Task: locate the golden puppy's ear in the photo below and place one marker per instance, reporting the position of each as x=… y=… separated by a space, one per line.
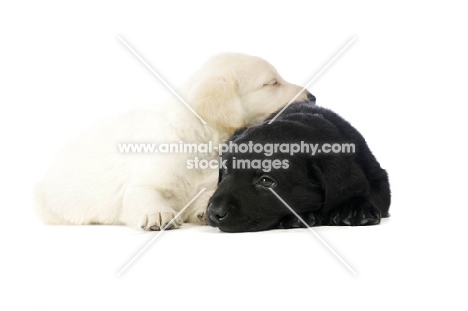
x=217 y=101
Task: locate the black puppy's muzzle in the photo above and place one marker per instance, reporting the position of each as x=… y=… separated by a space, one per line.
x=217 y=213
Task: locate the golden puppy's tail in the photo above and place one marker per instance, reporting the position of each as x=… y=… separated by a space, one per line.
x=40 y=207
x=38 y=200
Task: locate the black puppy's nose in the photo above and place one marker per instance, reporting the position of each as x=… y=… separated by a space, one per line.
x=218 y=212
x=311 y=97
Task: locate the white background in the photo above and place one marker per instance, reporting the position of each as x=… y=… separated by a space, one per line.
x=402 y=83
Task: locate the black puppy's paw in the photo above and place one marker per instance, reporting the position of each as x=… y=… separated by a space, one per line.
x=292 y=221
x=358 y=212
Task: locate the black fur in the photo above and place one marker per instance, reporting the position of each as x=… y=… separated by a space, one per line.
x=324 y=189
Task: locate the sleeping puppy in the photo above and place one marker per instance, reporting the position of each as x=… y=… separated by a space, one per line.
x=90 y=182
x=338 y=185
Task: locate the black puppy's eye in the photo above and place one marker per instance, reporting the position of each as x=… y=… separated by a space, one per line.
x=266 y=182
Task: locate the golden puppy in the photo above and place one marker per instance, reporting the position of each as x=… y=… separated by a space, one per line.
x=91 y=182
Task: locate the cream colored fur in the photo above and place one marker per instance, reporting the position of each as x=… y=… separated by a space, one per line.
x=90 y=182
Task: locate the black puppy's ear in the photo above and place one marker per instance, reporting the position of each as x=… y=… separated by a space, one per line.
x=220 y=173
x=341 y=180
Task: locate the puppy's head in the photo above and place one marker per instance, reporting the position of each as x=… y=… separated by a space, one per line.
x=236 y=90
x=244 y=201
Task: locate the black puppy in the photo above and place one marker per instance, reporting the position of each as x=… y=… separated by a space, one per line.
x=346 y=188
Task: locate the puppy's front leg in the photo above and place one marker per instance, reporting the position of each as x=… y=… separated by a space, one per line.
x=148 y=208
x=199 y=208
x=291 y=221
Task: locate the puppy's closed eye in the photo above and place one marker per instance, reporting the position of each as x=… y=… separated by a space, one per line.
x=272 y=83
